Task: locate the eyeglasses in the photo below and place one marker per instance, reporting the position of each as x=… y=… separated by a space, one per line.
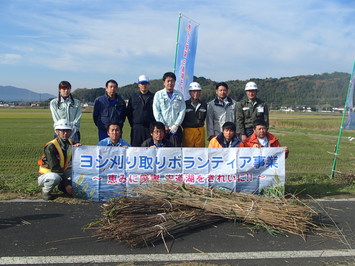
x=158 y=132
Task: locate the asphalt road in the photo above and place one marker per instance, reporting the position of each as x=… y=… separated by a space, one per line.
x=38 y=232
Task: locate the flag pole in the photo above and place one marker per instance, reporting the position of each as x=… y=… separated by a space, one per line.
x=341 y=126
x=177 y=42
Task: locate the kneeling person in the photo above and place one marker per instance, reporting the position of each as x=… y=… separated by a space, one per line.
x=262 y=138
x=227 y=138
x=157 y=139
x=114 y=137
x=55 y=164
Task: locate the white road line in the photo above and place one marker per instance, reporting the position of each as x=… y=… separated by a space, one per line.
x=179 y=257
x=349 y=199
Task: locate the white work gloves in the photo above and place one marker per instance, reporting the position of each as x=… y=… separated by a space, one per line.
x=173 y=129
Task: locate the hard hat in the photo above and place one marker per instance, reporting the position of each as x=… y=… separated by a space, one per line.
x=143 y=79
x=250 y=86
x=194 y=86
x=62 y=124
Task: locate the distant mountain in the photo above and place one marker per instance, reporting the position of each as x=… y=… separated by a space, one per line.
x=13 y=94
x=318 y=90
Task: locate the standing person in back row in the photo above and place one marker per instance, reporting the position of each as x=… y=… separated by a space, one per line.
x=194 y=121
x=140 y=112
x=220 y=110
x=250 y=109
x=169 y=108
x=109 y=108
x=66 y=107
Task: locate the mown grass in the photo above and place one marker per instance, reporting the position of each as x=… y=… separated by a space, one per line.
x=311 y=138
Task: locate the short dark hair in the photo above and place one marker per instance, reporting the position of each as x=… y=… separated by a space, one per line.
x=169 y=75
x=259 y=122
x=109 y=81
x=115 y=124
x=158 y=125
x=229 y=125
x=222 y=84
x=64 y=84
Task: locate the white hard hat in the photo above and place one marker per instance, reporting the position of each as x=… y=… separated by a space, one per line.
x=250 y=86
x=143 y=79
x=194 y=86
x=62 y=124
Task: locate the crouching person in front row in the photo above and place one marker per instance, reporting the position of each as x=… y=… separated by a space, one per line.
x=114 y=139
x=157 y=139
x=227 y=138
x=262 y=138
x=55 y=164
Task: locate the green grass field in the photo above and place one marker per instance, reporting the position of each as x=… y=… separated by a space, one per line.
x=311 y=138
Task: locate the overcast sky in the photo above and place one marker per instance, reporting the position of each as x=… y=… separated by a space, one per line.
x=88 y=42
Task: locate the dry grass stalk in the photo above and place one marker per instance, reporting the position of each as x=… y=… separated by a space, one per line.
x=171 y=208
x=139 y=221
x=280 y=214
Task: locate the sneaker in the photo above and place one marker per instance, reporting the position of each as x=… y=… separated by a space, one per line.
x=47 y=196
x=61 y=188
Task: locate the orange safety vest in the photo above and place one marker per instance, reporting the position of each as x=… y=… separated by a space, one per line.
x=62 y=161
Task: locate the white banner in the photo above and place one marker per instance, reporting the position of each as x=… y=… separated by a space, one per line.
x=100 y=173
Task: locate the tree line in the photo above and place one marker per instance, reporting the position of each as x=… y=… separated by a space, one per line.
x=319 y=90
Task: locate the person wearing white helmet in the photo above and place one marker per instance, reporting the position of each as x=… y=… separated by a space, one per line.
x=250 y=109
x=140 y=112
x=195 y=115
x=55 y=164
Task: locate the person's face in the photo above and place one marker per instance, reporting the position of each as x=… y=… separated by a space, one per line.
x=157 y=134
x=221 y=92
x=64 y=134
x=64 y=92
x=195 y=95
x=143 y=87
x=111 y=89
x=114 y=132
x=228 y=134
x=260 y=131
x=251 y=94
x=169 y=84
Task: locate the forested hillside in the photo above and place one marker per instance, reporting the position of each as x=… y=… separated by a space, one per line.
x=312 y=90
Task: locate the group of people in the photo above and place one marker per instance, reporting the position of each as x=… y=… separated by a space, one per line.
x=161 y=119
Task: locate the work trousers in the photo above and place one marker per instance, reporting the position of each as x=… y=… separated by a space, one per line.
x=50 y=180
x=175 y=139
x=139 y=133
x=193 y=137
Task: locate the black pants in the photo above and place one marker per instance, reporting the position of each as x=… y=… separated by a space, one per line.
x=175 y=139
x=139 y=133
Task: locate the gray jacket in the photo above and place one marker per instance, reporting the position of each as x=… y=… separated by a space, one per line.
x=218 y=114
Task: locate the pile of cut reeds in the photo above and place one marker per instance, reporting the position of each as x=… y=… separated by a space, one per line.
x=165 y=209
x=141 y=221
